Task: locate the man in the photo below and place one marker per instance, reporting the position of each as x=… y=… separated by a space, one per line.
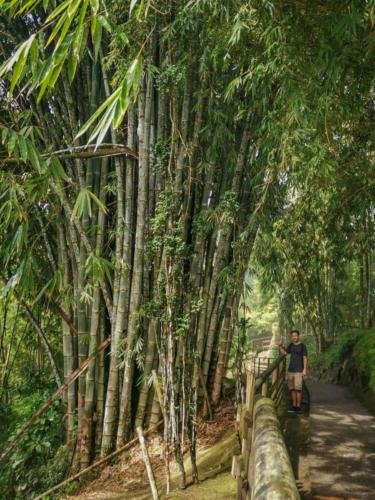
x=297 y=370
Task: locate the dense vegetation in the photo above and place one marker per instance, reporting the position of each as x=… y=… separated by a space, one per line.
x=358 y=348
x=152 y=152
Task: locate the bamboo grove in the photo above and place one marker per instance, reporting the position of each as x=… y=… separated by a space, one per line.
x=139 y=247
x=137 y=166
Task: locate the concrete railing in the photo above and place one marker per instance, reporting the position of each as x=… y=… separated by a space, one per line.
x=263 y=469
x=270 y=471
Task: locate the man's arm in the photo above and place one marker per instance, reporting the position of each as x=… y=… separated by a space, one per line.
x=281 y=348
x=304 y=373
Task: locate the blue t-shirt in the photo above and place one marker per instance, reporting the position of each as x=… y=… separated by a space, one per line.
x=297 y=352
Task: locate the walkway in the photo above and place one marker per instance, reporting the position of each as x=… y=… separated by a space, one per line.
x=342 y=445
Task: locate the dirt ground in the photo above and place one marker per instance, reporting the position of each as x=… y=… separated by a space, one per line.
x=127 y=478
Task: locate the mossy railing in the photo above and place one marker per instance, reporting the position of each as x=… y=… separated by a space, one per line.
x=263 y=470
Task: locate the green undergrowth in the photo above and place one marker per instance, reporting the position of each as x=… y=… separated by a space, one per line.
x=357 y=344
x=40 y=460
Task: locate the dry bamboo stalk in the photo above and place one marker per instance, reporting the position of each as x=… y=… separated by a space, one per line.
x=147 y=462
x=66 y=155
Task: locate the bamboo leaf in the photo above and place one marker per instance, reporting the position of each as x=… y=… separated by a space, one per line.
x=20 y=54
x=102 y=128
x=58 y=10
x=4 y=134
x=56 y=169
x=72 y=9
x=23 y=147
x=72 y=66
x=97 y=202
x=57 y=28
x=6 y=210
x=39 y=76
x=12 y=140
x=55 y=74
x=18 y=68
x=111 y=27
x=83 y=42
x=98 y=112
x=53 y=284
x=82 y=205
x=120 y=111
x=115 y=107
x=13 y=281
x=33 y=156
x=44 y=86
x=94 y=6
x=96 y=33
x=69 y=17
x=104 y=124
x=133 y=3
x=30 y=5
x=34 y=53
x=56 y=64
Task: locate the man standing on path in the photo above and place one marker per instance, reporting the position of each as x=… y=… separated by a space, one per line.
x=297 y=370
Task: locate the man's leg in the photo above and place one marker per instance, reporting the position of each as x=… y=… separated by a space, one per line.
x=298 y=398
x=294 y=398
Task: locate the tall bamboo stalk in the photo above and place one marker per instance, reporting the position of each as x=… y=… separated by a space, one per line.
x=144 y=118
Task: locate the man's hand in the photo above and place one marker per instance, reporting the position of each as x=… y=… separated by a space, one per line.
x=304 y=374
x=280 y=346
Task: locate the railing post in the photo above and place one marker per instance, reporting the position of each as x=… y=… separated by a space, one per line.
x=264 y=388
x=275 y=375
x=250 y=391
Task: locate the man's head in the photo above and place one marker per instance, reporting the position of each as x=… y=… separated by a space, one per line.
x=295 y=336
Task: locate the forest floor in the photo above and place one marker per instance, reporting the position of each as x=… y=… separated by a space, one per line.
x=127 y=479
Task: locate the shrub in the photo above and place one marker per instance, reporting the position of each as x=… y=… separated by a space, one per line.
x=41 y=459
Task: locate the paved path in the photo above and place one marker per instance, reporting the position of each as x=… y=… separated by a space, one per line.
x=342 y=445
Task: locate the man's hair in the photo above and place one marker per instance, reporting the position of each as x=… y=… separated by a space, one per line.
x=294 y=331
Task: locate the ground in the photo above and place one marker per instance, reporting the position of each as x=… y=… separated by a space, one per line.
x=217 y=443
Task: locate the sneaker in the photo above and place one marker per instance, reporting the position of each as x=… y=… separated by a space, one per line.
x=292 y=409
x=299 y=411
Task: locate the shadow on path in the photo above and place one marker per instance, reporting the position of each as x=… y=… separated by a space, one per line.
x=341 y=451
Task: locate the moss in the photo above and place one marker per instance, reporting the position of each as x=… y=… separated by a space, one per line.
x=220 y=487
x=357 y=344
x=214 y=473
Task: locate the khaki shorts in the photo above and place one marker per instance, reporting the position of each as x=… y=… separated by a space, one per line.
x=295 y=381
